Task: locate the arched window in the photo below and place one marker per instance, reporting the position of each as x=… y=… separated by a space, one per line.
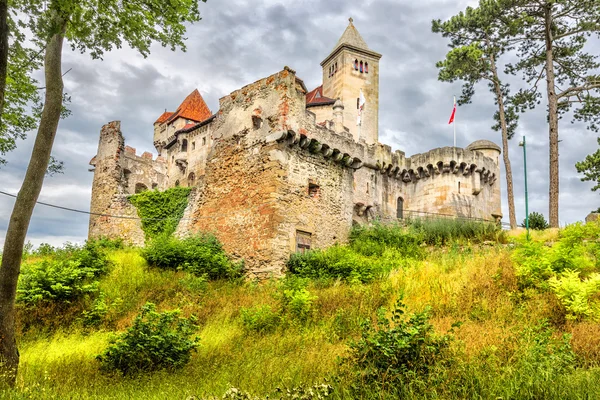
x=361 y=66
x=184 y=145
x=366 y=68
x=336 y=66
x=400 y=208
x=191 y=179
x=356 y=65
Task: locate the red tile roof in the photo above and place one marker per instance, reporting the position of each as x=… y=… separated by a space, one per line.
x=316 y=98
x=165 y=116
x=193 y=108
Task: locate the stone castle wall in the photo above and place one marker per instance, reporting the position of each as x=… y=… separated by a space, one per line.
x=118 y=173
x=270 y=174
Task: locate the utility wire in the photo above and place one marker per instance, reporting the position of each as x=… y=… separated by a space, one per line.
x=213 y=216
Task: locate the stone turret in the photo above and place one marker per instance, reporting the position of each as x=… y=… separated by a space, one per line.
x=350 y=68
x=338 y=115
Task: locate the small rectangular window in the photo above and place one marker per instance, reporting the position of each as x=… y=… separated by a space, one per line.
x=313 y=189
x=193 y=145
x=203 y=141
x=303 y=241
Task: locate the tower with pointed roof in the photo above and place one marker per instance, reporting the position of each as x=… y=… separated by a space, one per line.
x=348 y=69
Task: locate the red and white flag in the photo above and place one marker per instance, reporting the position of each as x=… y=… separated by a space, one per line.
x=361 y=106
x=453 y=113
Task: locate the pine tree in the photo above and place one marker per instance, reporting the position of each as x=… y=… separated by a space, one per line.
x=552 y=37
x=477 y=41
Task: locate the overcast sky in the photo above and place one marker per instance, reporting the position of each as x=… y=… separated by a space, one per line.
x=238 y=42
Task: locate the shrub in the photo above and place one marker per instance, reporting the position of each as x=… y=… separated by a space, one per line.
x=338 y=262
x=536 y=221
x=201 y=255
x=154 y=341
x=398 y=349
x=576 y=250
x=261 y=319
x=99 y=310
x=72 y=273
x=579 y=297
x=295 y=299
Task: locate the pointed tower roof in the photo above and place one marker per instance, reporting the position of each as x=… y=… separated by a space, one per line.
x=351 y=39
x=193 y=108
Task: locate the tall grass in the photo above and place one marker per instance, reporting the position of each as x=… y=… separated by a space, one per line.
x=502 y=348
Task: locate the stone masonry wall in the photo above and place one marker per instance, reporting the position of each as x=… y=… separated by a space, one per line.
x=117 y=174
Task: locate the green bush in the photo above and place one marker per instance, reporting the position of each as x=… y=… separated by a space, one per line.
x=580 y=297
x=261 y=319
x=155 y=341
x=397 y=350
x=577 y=249
x=536 y=221
x=160 y=211
x=201 y=255
x=338 y=262
x=295 y=299
x=71 y=273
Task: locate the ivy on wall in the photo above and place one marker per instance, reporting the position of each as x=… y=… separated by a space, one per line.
x=160 y=211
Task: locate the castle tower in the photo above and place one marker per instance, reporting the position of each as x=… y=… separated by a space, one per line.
x=350 y=68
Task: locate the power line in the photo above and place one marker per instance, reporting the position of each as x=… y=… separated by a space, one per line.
x=212 y=216
x=89 y=212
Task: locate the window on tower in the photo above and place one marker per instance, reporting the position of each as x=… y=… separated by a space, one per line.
x=336 y=67
x=356 y=65
x=361 y=66
x=366 y=68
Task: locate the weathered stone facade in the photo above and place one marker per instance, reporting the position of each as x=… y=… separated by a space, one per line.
x=278 y=169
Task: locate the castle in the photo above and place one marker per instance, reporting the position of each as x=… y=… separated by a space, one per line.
x=279 y=169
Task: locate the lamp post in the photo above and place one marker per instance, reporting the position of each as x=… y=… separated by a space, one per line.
x=523 y=144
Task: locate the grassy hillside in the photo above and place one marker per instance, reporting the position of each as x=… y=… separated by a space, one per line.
x=526 y=328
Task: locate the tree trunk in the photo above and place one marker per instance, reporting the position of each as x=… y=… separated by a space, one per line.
x=552 y=120
x=503 y=126
x=3 y=51
x=25 y=203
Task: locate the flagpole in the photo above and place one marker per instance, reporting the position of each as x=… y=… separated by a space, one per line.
x=454 y=123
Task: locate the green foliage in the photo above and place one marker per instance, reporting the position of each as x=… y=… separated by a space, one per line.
x=261 y=319
x=99 y=310
x=577 y=250
x=578 y=296
x=569 y=268
x=338 y=262
x=574 y=69
x=536 y=221
x=154 y=341
x=397 y=349
x=202 y=255
x=160 y=211
x=442 y=231
x=374 y=239
x=295 y=299
x=590 y=167
x=71 y=273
